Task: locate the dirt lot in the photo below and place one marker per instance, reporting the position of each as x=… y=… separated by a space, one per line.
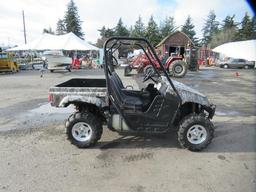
x=35 y=155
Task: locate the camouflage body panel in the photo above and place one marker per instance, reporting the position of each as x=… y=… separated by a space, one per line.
x=63 y=96
x=186 y=93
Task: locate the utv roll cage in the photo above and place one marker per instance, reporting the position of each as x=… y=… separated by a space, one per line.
x=114 y=43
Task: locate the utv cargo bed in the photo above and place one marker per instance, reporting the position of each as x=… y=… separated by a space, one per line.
x=62 y=94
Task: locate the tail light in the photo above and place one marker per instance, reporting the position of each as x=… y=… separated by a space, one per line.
x=50 y=98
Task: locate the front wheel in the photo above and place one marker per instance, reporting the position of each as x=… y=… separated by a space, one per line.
x=14 y=70
x=178 y=68
x=83 y=129
x=195 y=132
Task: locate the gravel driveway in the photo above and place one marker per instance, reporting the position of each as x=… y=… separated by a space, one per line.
x=35 y=155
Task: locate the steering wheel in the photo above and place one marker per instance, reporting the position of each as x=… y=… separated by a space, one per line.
x=148 y=76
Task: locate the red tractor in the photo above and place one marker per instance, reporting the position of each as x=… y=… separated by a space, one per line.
x=175 y=65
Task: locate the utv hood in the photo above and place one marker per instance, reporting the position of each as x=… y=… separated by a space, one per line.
x=186 y=93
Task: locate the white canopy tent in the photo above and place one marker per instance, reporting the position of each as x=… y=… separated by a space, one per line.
x=240 y=49
x=56 y=42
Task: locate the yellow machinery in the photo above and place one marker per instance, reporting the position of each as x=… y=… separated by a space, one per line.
x=7 y=64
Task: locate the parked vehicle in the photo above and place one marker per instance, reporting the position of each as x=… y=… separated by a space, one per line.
x=7 y=63
x=134 y=53
x=163 y=105
x=57 y=61
x=39 y=65
x=23 y=66
x=175 y=65
x=237 y=63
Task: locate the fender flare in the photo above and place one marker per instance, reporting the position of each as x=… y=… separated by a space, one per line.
x=69 y=99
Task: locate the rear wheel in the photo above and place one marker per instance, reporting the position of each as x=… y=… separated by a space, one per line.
x=178 y=68
x=246 y=67
x=225 y=66
x=83 y=129
x=148 y=69
x=195 y=132
x=127 y=70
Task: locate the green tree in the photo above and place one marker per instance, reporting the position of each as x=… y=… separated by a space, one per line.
x=72 y=20
x=49 y=30
x=188 y=28
x=229 y=22
x=227 y=33
x=152 y=32
x=102 y=31
x=106 y=32
x=120 y=29
x=61 y=28
x=246 y=31
x=254 y=27
x=167 y=27
x=131 y=30
x=139 y=29
x=210 y=27
x=223 y=36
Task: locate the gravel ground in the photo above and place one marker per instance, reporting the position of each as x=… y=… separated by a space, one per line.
x=35 y=155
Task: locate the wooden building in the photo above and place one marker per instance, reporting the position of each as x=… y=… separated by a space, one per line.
x=175 y=43
x=179 y=44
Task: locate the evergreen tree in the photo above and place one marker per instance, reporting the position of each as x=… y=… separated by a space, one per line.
x=167 y=27
x=120 y=29
x=228 y=32
x=72 y=20
x=254 y=27
x=102 y=31
x=152 y=32
x=61 y=29
x=106 y=32
x=131 y=31
x=188 y=29
x=229 y=23
x=210 y=27
x=230 y=27
x=49 y=30
x=109 y=32
x=246 y=31
x=139 y=29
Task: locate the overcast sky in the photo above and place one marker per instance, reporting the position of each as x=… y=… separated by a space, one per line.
x=40 y=14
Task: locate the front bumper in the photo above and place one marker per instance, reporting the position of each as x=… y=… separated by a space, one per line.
x=210 y=109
